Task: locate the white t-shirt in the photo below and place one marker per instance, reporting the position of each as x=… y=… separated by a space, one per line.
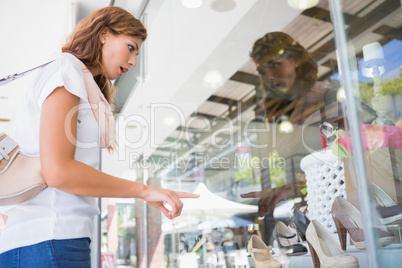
x=53 y=214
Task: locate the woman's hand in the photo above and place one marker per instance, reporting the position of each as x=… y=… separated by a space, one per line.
x=157 y=197
x=269 y=198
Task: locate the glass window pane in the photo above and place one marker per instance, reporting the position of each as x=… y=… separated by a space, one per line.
x=249 y=104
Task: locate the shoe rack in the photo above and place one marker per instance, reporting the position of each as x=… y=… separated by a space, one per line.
x=346 y=243
x=390 y=257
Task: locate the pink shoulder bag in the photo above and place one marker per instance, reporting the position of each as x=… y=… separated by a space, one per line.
x=20 y=175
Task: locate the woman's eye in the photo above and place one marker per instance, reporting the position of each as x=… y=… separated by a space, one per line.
x=261 y=71
x=131 y=48
x=273 y=66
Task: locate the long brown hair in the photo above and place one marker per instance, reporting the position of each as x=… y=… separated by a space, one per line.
x=84 y=41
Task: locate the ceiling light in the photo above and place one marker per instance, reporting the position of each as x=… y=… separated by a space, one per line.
x=340 y=94
x=223 y=5
x=169 y=120
x=213 y=79
x=285 y=126
x=373 y=65
x=192 y=3
x=302 y=4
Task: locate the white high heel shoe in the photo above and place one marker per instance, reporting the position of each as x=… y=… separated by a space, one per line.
x=382 y=198
x=261 y=254
x=325 y=250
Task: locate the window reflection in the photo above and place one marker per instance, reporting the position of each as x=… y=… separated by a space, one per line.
x=254 y=175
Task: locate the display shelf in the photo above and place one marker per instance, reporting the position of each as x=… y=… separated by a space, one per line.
x=388 y=256
x=325 y=179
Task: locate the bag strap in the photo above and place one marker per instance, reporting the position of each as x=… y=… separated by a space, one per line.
x=7 y=145
x=8 y=152
x=12 y=77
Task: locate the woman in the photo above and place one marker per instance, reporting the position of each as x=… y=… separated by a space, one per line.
x=65 y=118
x=288 y=78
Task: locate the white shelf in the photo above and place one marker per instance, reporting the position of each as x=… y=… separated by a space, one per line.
x=389 y=256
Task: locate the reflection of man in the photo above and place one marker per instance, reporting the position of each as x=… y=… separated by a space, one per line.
x=288 y=77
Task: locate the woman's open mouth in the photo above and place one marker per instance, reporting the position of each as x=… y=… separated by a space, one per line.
x=123 y=70
x=278 y=86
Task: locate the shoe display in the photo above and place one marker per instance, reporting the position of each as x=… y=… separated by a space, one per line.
x=348 y=220
x=301 y=223
x=382 y=198
x=325 y=250
x=287 y=242
x=390 y=215
x=261 y=254
x=388 y=211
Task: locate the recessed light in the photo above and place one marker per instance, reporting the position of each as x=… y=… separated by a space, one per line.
x=192 y=3
x=302 y=4
x=213 y=79
x=340 y=94
x=285 y=126
x=169 y=120
x=223 y=5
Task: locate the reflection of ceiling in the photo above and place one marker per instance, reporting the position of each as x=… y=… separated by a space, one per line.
x=366 y=22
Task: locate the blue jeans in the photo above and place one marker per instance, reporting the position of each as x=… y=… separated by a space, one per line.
x=50 y=254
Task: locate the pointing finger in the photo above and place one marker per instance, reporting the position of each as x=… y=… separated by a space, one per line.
x=186 y=195
x=250 y=195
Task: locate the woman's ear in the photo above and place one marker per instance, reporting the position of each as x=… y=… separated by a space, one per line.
x=103 y=35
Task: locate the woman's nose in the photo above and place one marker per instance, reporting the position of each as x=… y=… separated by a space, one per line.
x=269 y=75
x=132 y=61
x=269 y=78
